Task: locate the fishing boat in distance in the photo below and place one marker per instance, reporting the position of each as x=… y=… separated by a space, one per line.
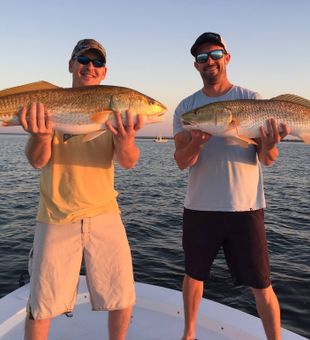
x=160 y=139
x=158 y=314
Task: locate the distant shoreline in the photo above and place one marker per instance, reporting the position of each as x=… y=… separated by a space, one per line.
x=24 y=134
x=142 y=137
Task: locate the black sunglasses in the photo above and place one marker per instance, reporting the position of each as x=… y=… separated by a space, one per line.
x=82 y=59
x=214 y=55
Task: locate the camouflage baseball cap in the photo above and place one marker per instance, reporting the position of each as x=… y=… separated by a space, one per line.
x=88 y=44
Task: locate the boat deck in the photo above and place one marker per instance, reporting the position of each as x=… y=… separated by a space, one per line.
x=158 y=315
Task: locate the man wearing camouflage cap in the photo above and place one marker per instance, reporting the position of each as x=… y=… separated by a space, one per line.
x=78 y=215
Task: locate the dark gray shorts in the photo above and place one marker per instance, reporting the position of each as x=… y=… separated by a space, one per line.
x=242 y=236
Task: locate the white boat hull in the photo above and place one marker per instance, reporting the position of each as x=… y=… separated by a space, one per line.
x=160 y=140
x=158 y=315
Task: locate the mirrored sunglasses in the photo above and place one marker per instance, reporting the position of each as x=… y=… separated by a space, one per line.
x=214 y=55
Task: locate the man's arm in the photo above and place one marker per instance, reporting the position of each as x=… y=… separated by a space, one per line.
x=267 y=145
x=188 y=146
x=127 y=152
x=37 y=123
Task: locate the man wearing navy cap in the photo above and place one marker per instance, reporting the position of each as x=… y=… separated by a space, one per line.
x=224 y=204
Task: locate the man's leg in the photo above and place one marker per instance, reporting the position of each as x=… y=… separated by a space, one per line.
x=36 y=329
x=108 y=264
x=192 y=295
x=52 y=294
x=268 y=308
x=118 y=323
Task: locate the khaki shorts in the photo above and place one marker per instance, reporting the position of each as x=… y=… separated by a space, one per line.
x=56 y=261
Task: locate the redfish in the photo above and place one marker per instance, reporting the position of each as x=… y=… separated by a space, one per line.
x=82 y=110
x=242 y=118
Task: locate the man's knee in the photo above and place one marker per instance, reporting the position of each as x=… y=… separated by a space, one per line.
x=263 y=294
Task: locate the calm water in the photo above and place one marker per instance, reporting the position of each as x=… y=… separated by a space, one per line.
x=151 y=199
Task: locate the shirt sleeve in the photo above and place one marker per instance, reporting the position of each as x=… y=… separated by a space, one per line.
x=177 y=124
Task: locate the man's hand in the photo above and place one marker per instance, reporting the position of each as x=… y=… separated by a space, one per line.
x=125 y=133
x=273 y=135
x=188 y=145
x=126 y=151
x=36 y=121
x=199 y=137
x=267 y=145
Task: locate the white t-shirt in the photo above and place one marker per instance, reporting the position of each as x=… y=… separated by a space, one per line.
x=226 y=177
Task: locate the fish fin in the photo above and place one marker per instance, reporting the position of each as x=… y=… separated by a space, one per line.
x=93 y=135
x=248 y=140
x=67 y=136
x=39 y=85
x=292 y=98
x=12 y=121
x=101 y=117
x=239 y=139
x=244 y=142
x=232 y=128
x=6 y=124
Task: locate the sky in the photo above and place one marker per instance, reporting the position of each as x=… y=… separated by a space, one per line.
x=148 y=44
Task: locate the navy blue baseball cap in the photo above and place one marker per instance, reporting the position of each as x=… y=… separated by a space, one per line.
x=208 y=37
